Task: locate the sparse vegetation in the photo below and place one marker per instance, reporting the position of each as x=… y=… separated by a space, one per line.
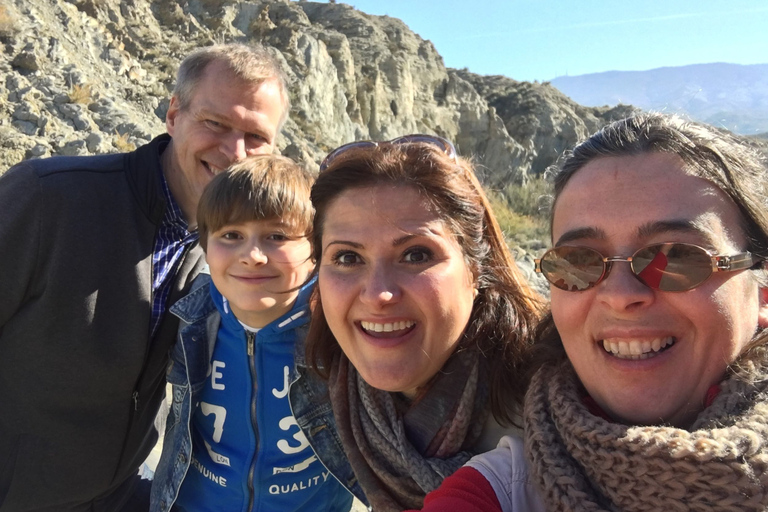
x=122 y=143
x=531 y=199
x=520 y=229
x=81 y=94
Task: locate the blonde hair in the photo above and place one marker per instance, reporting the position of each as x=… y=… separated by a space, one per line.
x=252 y=64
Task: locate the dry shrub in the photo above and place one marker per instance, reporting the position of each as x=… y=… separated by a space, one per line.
x=81 y=94
x=121 y=142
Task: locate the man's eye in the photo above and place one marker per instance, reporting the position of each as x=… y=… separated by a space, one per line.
x=213 y=124
x=417 y=255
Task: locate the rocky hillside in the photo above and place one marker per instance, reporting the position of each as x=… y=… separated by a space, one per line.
x=93 y=76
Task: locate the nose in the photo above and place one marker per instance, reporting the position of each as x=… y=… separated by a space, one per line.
x=253 y=255
x=380 y=286
x=233 y=146
x=621 y=290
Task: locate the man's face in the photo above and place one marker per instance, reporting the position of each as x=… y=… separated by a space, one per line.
x=616 y=205
x=225 y=121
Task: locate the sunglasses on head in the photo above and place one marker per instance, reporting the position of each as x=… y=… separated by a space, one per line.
x=442 y=144
x=669 y=267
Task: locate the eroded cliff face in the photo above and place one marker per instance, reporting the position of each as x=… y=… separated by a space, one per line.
x=94 y=76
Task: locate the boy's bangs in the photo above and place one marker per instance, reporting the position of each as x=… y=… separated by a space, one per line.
x=263 y=198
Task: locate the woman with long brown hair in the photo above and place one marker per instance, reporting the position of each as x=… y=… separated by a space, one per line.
x=421 y=321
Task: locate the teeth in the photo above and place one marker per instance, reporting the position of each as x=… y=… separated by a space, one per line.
x=388 y=327
x=637 y=349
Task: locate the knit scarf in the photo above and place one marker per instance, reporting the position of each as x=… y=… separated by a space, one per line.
x=582 y=462
x=398 y=451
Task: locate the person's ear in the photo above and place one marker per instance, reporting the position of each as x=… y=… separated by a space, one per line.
x=762 y=314
x=170 y=117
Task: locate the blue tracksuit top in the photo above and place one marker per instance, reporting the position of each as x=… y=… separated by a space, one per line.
x=247 y=451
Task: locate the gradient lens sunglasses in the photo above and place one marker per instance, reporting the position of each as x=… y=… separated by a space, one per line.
x=669 y=267
x=442 y=144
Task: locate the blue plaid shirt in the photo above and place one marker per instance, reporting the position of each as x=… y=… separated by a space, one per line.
x=172 y=238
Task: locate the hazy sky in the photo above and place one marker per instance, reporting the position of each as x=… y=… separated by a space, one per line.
x=543 y=39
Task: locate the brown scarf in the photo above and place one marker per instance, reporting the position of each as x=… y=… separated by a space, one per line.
x=582 y=462
x=399 y=452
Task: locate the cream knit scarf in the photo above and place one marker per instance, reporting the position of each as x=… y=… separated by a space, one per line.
x=582 y=462
x=399 y=452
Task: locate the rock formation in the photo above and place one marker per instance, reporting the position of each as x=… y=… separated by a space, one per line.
x=94 y=76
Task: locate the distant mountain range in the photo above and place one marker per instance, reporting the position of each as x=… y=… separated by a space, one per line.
x=731 y=96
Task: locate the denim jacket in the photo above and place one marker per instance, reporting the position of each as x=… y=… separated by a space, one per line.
x=197 y=337
x=311 y=406
x=187 y=373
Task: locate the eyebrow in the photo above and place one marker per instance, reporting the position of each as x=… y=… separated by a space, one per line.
x=395 y=243
x=205 y=112
x=645 y=231
x=580 y=234
x=403 y=239
x=344 y=242
x=676 y=225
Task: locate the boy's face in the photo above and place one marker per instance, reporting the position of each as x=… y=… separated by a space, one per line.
x=258 y=266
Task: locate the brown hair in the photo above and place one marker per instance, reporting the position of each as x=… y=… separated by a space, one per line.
x=505 y=310
x=251 y=63
x=257 y=188
x=719 y=157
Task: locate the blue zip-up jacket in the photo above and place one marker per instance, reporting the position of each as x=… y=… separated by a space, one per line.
x=244 y=441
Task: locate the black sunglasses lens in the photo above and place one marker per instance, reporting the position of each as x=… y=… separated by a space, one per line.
x=572 y=268
x=672 y=267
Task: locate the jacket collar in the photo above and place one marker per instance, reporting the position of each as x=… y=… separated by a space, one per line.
x=198 y=303
x=204 y=298
x=143 y=172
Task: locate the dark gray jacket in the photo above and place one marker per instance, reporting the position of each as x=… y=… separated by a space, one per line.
x=80 y=383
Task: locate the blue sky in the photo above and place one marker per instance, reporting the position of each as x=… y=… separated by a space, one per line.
x=543 y=39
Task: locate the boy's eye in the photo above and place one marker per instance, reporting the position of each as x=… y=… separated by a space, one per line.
x=278 y=237
x=231 y=235
x=417 y=255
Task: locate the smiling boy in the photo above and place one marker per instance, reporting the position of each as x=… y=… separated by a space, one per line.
x=232 y=443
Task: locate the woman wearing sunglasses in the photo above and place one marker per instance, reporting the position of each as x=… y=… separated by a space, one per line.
x=420 y=325
x=651 y=388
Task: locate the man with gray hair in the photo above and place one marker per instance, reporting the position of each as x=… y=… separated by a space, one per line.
x=94 y=249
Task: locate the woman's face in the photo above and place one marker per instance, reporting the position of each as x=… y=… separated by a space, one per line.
x=395 y=289
x=617 y=205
